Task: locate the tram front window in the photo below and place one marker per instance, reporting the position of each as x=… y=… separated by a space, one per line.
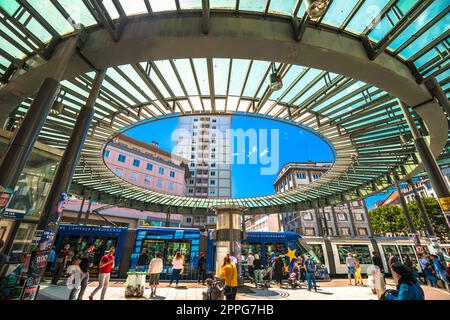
x=184 y=247
x=304 y=249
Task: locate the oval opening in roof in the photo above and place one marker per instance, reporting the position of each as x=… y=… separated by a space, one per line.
x=219 y=156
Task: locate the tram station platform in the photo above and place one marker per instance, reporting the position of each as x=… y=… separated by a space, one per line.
x=332 y=290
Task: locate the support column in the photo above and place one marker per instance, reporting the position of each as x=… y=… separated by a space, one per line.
x=229 y=235
x=16 y=156
x=318 y=222
x=404 y=206
x=81 y=211
x=430 y=165
x=325 y=223
x=336 y=227
x=422 y=210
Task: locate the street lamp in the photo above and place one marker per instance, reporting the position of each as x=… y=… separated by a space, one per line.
x=316 y=8
x=275 y=79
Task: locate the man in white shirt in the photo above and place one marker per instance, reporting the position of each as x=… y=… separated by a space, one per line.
x=350 y=261
x=154 y=270
x=251 y=270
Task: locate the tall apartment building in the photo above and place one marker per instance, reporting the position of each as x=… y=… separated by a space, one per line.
x=146 y=165
x=349 y=219
x=203 y=140
x=208 y=148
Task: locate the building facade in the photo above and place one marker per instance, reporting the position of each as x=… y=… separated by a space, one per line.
x=203 y=140
x=146 y=165
x=346 y=220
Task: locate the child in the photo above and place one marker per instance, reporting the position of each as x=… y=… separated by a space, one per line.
x=358 y=276
x=74 y=272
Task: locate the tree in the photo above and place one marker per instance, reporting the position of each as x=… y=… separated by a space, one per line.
x=390 y=220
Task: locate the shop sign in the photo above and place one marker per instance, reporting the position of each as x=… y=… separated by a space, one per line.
x=12 y=214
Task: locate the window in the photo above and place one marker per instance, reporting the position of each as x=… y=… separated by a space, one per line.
x=214 y=120
x=136 y=163
x=133 y=176
x=149 y=167
x=310 y=231
x=358 y=217
x=330 y=231
x=191 y=190
x=213 y=182
x=191 y=181
x=301 y=175
x=213 y=173
x=196 y=120
x=345 y=231
x=159 y=183
x=189 y=220
x=362 y=231
x=147 y=179
x=361 y=251
x=172 y=174
x=307 y=216
x=171 y=186
x=119 y=172
x=106 y=154
x=342 y=217
x=316 y=176
x=121 y=158
x=161 y=170
x=213 y=165
x=192 y=164
x=212 y=191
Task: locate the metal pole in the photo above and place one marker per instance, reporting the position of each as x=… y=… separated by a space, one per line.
x=422 y=210
x=80 y=212
x=404 y=206
x=16 y=156
x=430 y=165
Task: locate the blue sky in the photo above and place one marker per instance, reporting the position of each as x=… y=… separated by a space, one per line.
x=295 y=144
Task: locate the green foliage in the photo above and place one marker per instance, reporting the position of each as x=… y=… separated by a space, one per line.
x=391 y=220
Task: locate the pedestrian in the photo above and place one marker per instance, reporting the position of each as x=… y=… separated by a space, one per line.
x=430 y=274
x=377 y=261
x=350 y=262
x=60 y=263
x=257 y=266
x=407 y=287
x=107 y=264
x=233 y=258
x=75 y=274
x=51 y=261
x=439 y=266
x=310 y=268
x=279 y=270
x=201 y=268
x=301 y=264
x=177 y=268
x=85 y=262
x=251 y=269
x=143 y=260
x=228 y=272
x=154 y=270
x=358 y=276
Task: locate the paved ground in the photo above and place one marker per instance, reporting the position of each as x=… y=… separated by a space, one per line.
x=333 y=290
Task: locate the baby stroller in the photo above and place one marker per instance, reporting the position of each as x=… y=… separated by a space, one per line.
x=267 y=277
x=215 y=290
x=293 y=279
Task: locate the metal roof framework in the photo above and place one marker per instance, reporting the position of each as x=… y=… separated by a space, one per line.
x=362 y=123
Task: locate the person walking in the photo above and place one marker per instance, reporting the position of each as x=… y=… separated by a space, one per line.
x=143 y=260
x=201 y=268
x=407 y=286
x=279 y=270
x=310 y=268
x=251 y=269
x=60 y=263
x=177 y=268
x=107 y=263
x=75 y=274
x=85 y=262
x=154 y=270
x=257 y=266
x=430 y=274
x=377 y=261
x=358 y=276
x=350 y=262
x=439 y=266
x=301 y=265
x=228 y=272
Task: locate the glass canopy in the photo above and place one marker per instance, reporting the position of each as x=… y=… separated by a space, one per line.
x=356 y=118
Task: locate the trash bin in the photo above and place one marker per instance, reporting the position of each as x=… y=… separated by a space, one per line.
x=135 y=284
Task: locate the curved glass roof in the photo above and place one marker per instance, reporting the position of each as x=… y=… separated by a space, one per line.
x=362 y=122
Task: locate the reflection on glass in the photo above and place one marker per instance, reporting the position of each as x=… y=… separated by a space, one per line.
x=22 y=241
x=361 y=252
